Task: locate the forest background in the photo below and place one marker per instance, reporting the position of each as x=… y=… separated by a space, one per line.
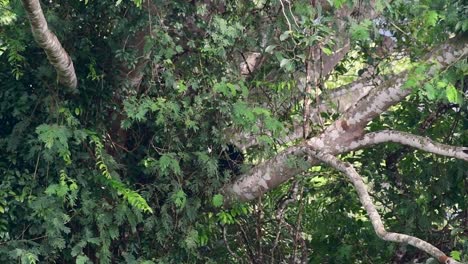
x=233 y=131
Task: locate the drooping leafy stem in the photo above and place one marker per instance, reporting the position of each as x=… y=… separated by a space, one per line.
x=131 y=196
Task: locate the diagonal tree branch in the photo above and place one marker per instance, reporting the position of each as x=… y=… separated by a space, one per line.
x=374 y=216
x=350 y=126
x=264 y=176
x=339 y=135
x=341 y=99
x=48 y=41
x=320 y=65
x=419 y=142
x=361 y=101
x=392 y=91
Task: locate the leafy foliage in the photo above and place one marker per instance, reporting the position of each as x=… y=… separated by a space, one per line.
x=129 y=173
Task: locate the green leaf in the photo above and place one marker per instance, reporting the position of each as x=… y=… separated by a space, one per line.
x=285 y=35
x=464 y=26
x=181 y=87
x=338 y=3
x=54 y=134
x=456 y=255
x=202 y=239
x=137 y=2
x=218 y=200
x=361 y=31
x=431 y=17
x=179 y=198
x=410 y=83
x=431 y=91
x=225 y=218
x=82 y=259
x=270 y=48
x=451 y=93
x=191 y=239
x=29 y=258
x=327 y=51
x=441 y=84
x=168 y=163
x=287 y=64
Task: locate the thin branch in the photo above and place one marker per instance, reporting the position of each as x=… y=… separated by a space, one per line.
x=338 y=136
x=307 y=100
x=227 y=244
x=280 y=213
x=48 y=41
x=419 y=142
x=297 y=235
x=247 y=244
x=285 y=16
x=23 y=240
x=258 y=230
x=374 y=216
x=292 y=14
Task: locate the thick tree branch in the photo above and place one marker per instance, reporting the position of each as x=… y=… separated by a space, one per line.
x=319 y=66
x=341 y=99
x=392 y=92
x=339 y=135
x=419 y=142
x=351 y=125
x=374 y=216
x=361 y=101
x=264 y=176
x=47 y=40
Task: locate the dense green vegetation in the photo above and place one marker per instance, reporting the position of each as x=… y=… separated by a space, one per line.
x=125 y=168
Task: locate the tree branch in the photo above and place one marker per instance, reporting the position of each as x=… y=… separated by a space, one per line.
x=338 y=136
x=350 y=126
x=48 y=41
x=419 y=142
x=374 y=216
x=343 y=98
x=264 y=176
x=392 y=91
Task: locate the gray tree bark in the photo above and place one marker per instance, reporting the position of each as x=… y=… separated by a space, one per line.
x=48 y=41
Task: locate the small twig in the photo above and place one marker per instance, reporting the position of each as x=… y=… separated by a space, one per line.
x=247 y=243
x=285 y=16
x=307 y=92
x=297 y=235
x=23 y=240
x=280 y=213
x=259 y=228
x=292 y=14
x=37 y=164
x=227 y=244
x=149 y=19
x=399 y=29
x=246 y=63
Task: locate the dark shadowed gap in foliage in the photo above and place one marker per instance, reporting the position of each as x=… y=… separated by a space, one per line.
x=231 y=160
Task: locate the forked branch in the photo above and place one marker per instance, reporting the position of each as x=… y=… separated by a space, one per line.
x=374 y=216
